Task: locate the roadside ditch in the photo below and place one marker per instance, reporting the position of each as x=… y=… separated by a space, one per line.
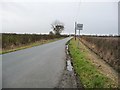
x=69 y=78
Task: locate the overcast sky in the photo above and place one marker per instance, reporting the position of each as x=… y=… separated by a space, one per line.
x=33 y=16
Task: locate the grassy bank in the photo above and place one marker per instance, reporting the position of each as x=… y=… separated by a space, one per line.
x=28 y=45
x=88 y=73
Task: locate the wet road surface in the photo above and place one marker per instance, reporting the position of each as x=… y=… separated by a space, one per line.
x=36 y=67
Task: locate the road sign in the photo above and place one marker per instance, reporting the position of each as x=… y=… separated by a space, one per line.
x=79 y=27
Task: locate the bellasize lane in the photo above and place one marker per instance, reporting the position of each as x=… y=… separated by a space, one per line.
x=36 y=67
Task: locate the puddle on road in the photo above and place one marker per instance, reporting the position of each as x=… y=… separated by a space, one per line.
x=69 y=66
x=67 y=47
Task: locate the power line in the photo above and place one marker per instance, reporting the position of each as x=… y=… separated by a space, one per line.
x=78 y=9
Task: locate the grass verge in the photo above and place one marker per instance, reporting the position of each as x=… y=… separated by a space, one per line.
x=89 y=75
x=29 y=45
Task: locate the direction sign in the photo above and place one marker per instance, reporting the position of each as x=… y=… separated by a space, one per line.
x=79 y=27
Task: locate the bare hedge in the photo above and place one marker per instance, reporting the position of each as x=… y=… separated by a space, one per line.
x=106 y=47
x=9 y=39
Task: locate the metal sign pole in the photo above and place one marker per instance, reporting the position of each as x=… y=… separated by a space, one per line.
x=78 y=27
x=79 y=38
x=75 y=30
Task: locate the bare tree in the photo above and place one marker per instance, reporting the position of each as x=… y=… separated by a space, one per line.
x=57 y=27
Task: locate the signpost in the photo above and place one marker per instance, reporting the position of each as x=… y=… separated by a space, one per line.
x=78 y=27
x=75 y=30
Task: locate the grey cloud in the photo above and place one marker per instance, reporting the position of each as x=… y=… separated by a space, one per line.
x=36 y=17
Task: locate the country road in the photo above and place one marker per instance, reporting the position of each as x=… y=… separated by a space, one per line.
x=36 y=67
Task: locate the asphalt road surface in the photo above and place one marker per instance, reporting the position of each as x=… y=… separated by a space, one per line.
x=36 y=67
